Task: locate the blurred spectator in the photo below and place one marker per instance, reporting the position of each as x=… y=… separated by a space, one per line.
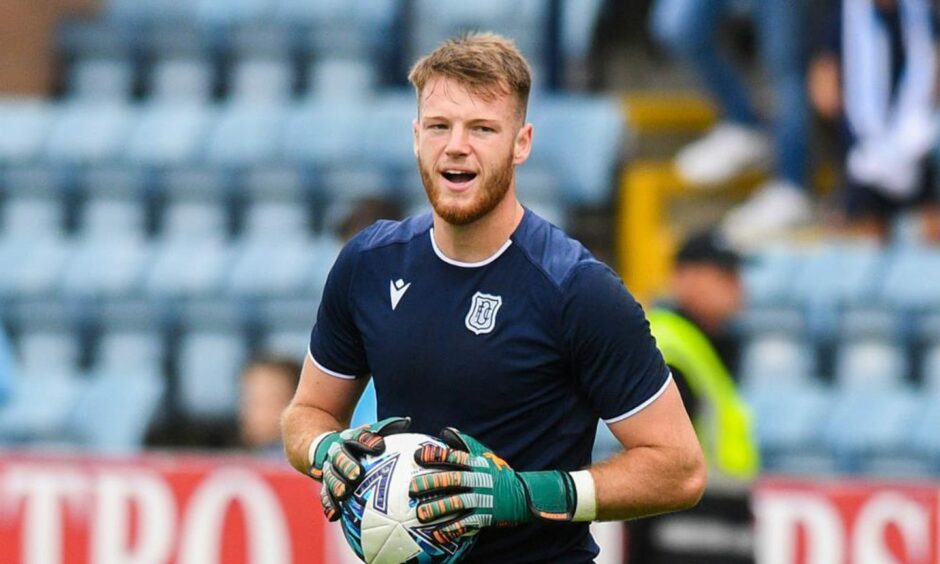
x=267 y=386
x=693 y=332
x=690 y=29
x=7 y=367
x=874 y=74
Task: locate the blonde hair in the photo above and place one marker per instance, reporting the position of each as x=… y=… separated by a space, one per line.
x=486 y=64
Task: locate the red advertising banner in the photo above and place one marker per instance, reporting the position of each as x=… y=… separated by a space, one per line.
x=158 y=509
x=846 y=522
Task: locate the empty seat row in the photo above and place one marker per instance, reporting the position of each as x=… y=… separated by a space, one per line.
x=578 y=140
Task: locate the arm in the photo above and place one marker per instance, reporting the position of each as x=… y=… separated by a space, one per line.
x=662 y=468
x=322 y=403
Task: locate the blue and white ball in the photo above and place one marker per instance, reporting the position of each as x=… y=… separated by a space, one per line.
x=379 y=519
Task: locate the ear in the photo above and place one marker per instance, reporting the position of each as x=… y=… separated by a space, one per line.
x=414 y=137
x=522 y=145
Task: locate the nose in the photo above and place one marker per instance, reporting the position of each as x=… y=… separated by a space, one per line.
x=457 y=143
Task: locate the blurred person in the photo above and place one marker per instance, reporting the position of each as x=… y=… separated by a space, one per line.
x=364 y=212
x=874 y=75
x=691 y=30
x=267 y=386
x=483 y=317
x=694 y=331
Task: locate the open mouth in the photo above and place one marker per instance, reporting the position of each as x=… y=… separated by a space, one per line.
x=459 y=177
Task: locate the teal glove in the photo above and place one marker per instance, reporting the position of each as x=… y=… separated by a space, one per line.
x=479 y=489
x=336 y=459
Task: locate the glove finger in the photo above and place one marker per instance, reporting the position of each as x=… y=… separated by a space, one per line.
x=392 y=425
x=330 y=510
x=365 y=442
x=345 y=464
x=466 y=526
x=334 y=484
x=454 y=438
x=449 y=481
x=453 y=505
x=439 y=457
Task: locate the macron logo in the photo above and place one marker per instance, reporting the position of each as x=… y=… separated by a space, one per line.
x=397 y=289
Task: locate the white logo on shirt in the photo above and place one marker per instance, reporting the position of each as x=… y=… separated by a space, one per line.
x=397 y=289
x=482 y=315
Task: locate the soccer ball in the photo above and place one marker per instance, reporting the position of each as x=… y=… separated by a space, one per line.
x=379 y=519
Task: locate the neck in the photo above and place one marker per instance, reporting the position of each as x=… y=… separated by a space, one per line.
x=479 y=240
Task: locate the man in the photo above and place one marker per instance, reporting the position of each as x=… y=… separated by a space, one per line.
x=267 y=385
x=482 y=317
x=691 y=31
x=693 y=332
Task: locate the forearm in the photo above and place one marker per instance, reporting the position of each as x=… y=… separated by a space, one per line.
x=300 y=424
x=646 y=481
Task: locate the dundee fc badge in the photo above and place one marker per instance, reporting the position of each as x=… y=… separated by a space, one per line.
x=482 y=315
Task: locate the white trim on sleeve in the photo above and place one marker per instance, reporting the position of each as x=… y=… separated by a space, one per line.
x=327 y=370
x=642 y=406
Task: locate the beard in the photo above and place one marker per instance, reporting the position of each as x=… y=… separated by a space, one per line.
x=489 y=193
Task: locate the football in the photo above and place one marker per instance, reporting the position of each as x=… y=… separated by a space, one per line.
x=379 y=519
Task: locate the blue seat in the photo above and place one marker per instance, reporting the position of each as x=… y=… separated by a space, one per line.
x=209 y=362
x=246 y=134
x=26 y=123
x=102 y=266
x=777 y=358
x=839 y=273
x=187 y=267
x=580 y=139
x=339 y=78
x=525 y=21
x=323 y=134
x=867 y=424
x=277 y=267
x=115 y=202
x=340 y=28
x=226 y=13
x=101 y=79
x=32 y=266
x=40 y=408
x=169 y=132
x=181 y=79
x=788 y=419
x=34 y=202
x=196 y=204
x=768 y=276
x=89 y=132
x=910 y=279
x=871 y=362
x=116 y=407
x=262 y=80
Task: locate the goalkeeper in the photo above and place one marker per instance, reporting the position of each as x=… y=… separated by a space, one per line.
x=485 y=321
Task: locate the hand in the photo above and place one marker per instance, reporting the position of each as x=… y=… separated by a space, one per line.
x=479 y=489
x=336 y=459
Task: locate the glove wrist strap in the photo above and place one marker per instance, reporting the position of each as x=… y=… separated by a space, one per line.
x=585 y=496
x=550 y=495
x=314 y=444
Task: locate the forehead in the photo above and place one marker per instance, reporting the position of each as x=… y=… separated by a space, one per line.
x=446 y=97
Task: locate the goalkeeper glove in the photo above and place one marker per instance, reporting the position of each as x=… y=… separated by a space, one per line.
x=478 y=489
x=334 y=459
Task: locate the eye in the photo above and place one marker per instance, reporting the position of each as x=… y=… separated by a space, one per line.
x=484 y=129
x=437 y=126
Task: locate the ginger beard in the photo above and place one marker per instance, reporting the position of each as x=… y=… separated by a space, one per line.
x=483 y=198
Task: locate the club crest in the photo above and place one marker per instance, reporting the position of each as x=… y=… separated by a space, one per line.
x=482 y=315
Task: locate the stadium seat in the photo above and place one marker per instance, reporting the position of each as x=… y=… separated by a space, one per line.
x=31 y=265
x=187 y=268
x=788 y=418
x=340 y=28
x=341 y=78
x=33 y=202
x=115 y=407
x=869 y=425
x=102 y=266
x=910 y=280
x=169 y=133
x=89 y=132
x=181 y=79
x=196 y=204
x=246 y=134
x=871 y=362
x=768 y=276
x=40 y=408
x=774 y=359
x=26 y=123
x=267 y=267
x=115 y=202
x=260 y=80
x=209 y=362
x=101 y=79
x=580 y=139
x=837 y=273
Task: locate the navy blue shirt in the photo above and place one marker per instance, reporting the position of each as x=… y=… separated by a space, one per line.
x=523 y=351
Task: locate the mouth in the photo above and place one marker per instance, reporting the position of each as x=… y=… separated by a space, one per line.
x=458 y=179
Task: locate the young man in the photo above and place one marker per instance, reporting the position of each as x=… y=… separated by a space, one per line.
x=485 y=318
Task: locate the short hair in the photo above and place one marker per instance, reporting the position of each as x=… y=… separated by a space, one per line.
x=286 y=367
x=487 y=64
